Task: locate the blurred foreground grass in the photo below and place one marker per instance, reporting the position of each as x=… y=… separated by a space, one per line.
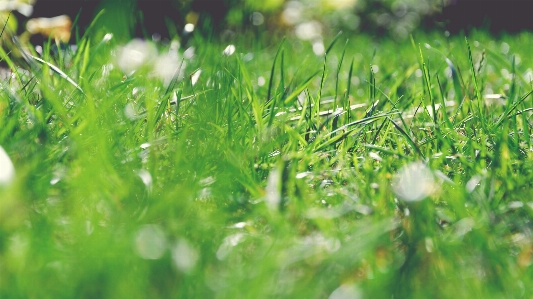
x=260 y=170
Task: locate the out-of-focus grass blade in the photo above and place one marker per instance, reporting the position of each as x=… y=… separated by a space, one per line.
x=507 y=114
x=339 y=66
x=299 y=89
x=333 y=42
x=272 y=70
x=477 y=89
x=408 y=138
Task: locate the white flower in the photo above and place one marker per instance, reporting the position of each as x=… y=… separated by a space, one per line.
x=150 y=242
x=184 y=256
x=168 y=66
x=413 y=182
x=134 y=55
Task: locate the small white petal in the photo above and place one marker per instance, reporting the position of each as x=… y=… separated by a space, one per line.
x=230 y=49
x=414 y=182
x=195 y=77
x=7 y=170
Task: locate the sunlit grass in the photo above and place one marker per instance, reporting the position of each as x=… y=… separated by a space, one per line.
x=254 y=170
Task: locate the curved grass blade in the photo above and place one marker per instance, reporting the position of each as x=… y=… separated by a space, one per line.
x=271 y=82
x=408 y=138
x=59 y=72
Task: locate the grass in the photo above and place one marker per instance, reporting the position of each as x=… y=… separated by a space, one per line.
x=277 y=174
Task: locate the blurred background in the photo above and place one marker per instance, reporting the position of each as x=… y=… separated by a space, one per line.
x=305 y=19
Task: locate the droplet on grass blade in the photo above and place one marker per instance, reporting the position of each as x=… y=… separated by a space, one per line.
x=150 y=242
x=413 y=182
x=7 y=170
x=107 y=37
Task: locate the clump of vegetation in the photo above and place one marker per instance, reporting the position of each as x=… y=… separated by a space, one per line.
x=260 y=169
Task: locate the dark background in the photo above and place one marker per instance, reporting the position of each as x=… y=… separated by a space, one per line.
x=143 y=18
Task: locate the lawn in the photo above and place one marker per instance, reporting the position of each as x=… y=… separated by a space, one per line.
x=258 y=169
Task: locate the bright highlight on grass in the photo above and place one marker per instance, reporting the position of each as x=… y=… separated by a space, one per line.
x=7 y=170
x=414 y=182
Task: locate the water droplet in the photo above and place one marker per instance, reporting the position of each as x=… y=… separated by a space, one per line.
x=150 y=242
x=107 y=37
